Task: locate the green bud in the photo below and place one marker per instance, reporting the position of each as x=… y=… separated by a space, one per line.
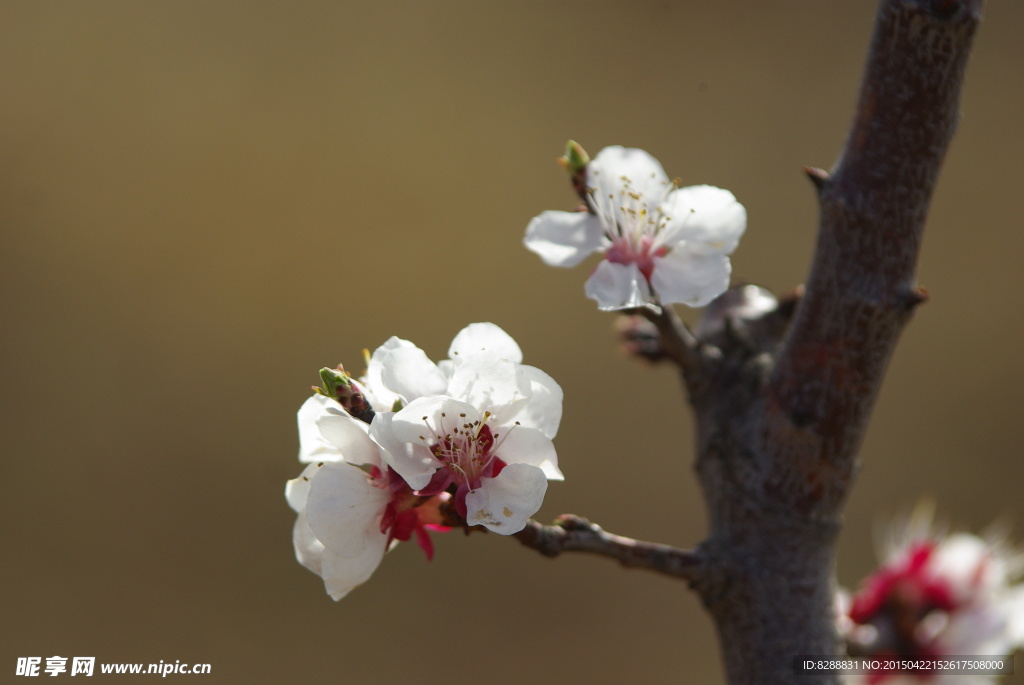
x=338 y=385
x=575 y=159
x=333 y=380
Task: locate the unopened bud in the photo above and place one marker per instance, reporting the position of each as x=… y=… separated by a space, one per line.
x=575 y=161
x=340 y=386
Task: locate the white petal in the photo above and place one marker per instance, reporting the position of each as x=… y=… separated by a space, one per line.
x=564 y=238
x=312 y=445
x=705 y=215
x=522 y=445
x=980 y=627
x=489 y=383
x=408 y=372
x=412 y=459
x=308 y=550
x=344 y=510
x=543 y=409
x=297 y=489
x=442 y=415
x=343 y=574
x=431 y=414
x=505 y=502
x=380 y=397
x=693 y=279
x=484 y=337
x=1013 y=603
x=618 y=286
x=349 y=438
x=616 y=169
x=969 y=564
x=447 y=367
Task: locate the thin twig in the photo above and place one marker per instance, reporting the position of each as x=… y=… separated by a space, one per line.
x=574 y=534
x=676 y=339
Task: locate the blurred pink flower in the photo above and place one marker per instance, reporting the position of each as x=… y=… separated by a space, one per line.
x=935 y=596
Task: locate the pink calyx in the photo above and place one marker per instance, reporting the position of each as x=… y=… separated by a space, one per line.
x=409 y=513
x=905 y=583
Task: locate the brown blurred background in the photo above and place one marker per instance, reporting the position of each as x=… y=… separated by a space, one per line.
x=203 y=203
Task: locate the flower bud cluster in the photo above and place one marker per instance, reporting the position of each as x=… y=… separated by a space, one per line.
x=466 y=442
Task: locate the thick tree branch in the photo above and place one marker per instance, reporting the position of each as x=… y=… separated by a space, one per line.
x=779 y=424
x=574 y=534
x=782 y=391
x=861 y=290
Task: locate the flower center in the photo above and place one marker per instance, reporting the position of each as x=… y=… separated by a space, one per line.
x=468 y=454
x=640 y=252
x=467 y=450
x=630 y=225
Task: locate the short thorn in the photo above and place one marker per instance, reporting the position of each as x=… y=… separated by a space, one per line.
x=819 y=177
x=915 y=296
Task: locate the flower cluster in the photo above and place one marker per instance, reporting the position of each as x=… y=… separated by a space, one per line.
x=466 y=441
x=937 y=596
x=661 y=243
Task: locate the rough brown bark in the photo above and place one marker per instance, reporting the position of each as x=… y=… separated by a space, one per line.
x=780 y=426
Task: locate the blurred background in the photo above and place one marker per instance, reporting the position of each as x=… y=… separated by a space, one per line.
x=203 y=203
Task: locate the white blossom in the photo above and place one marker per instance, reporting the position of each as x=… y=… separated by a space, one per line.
x=479 y=424
x=350 y=506
x=662 y=244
